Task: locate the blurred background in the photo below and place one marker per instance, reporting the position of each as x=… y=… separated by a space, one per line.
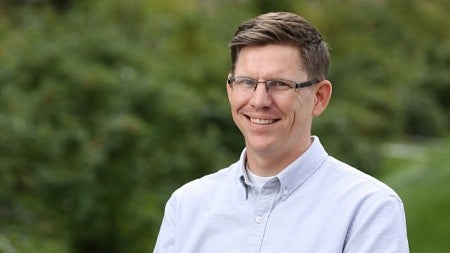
x=106 y=107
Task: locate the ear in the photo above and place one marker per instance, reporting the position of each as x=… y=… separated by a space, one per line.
x=228 y=85
x=322 y=94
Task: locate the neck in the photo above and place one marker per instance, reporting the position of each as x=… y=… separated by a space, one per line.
x=270 y=163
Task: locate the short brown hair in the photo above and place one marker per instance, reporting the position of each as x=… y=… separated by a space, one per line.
x=285 y=29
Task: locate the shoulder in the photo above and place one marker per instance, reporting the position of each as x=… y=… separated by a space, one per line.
x=354 y=181
x=203 y=186
x=376 y=212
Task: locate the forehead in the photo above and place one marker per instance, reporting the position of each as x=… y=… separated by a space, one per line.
x=269 y=61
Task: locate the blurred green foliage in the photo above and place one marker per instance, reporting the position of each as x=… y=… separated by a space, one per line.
x=106 y=107
x=419 y=172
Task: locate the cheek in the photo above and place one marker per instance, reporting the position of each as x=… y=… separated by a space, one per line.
x=301 y=109
x=236 y=102
x=233 y=103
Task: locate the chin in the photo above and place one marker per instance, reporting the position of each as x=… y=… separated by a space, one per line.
x=263 y=148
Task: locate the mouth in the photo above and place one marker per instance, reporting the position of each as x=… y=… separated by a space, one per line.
x=262 y=121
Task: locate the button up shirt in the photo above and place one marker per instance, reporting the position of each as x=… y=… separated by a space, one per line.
x=316 y=204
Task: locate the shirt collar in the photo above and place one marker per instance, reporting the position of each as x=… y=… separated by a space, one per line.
x=302 y=168
x=242 y=174
x=295 y=173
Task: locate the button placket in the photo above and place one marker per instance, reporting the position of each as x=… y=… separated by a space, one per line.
x=264 y=206
x=265 y=200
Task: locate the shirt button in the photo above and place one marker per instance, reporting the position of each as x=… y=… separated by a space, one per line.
x=258 y=219
x=285 y=192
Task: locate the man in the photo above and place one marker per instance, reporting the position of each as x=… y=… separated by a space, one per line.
x=285 y=194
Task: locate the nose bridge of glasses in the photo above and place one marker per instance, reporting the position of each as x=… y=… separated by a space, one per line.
x=260 y=97
x=266 y=85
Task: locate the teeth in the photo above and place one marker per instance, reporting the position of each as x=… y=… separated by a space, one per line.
x=262 y=121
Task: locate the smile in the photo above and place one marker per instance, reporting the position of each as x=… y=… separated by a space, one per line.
x=262 y=121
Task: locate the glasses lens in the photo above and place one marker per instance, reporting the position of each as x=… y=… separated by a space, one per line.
x=248 y=85
x=245 y=83
x=277 y=85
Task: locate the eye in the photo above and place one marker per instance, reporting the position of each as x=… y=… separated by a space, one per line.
x=245 y=82
x=280 y=85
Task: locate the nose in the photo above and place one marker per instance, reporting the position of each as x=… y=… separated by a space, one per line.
x=260 y=97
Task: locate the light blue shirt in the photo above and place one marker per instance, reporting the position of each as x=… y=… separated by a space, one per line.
x=316 y=204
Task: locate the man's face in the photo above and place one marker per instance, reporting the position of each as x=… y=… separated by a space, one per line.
x=274 y=125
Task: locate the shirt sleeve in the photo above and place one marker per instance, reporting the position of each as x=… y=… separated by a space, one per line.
x=379 y=226
x=165 y=242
